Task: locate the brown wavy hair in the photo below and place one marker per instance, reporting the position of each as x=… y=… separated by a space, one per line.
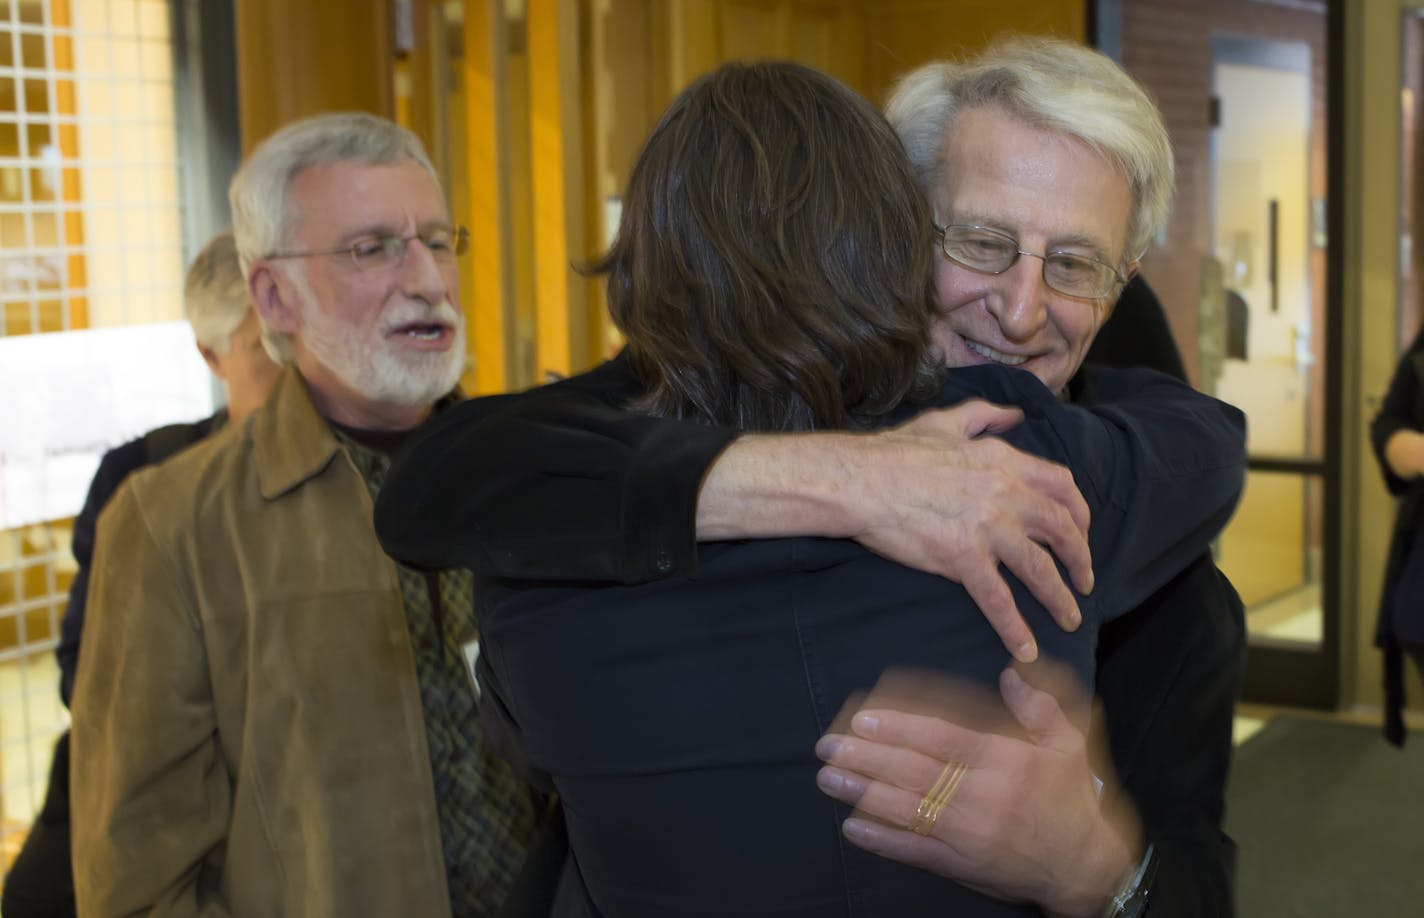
x=773 y=267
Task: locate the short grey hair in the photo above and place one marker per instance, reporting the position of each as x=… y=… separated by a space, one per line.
x=215 y=293
x=262 y=220
x=1052 y=85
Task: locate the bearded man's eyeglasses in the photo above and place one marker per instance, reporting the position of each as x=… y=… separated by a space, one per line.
x=376 y=253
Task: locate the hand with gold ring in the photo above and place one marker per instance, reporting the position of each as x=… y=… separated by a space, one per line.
x=937 y=797
x=1014 y=816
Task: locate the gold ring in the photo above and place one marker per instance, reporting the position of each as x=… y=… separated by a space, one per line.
x=934 y=802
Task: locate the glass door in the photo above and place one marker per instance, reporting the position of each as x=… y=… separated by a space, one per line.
x=1244 y=273
x=1268 y=237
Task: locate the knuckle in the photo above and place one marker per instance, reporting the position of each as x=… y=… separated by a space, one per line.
x=1061 y=521
x=1039 y=566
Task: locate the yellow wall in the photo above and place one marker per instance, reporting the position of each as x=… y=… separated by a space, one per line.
x=1371 y=341
x=902 y=34
x=558 y=193
x=487 y=281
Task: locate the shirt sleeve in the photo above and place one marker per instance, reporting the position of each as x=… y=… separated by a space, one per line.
x=1161 y=466
x=150 y=800
x=557 y=483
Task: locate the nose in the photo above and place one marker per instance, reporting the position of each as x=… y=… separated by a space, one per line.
x=1021 y=306
x=422 y=276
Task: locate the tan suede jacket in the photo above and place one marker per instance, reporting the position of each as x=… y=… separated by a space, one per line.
x=247 y=731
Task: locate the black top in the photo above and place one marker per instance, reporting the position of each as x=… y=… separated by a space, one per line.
x=1170 y=673
x=678 y=717
x=1136 y=334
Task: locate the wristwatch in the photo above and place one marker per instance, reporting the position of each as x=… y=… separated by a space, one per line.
x=1132 y=899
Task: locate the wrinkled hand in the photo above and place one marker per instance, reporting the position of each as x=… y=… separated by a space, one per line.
x=942 y=497
x=1025 y=823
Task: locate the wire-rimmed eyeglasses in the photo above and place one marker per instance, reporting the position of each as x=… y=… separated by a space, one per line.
x=989 y=251
x=375 y=253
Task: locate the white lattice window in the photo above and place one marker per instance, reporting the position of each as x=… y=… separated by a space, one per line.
x=90 y=236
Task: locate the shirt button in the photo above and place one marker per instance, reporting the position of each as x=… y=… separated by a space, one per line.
x=664 y=562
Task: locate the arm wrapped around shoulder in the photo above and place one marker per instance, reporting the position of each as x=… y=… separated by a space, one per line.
x=557 y=483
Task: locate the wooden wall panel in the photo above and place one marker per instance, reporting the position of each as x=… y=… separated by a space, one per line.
x=627 y=87
x=417 y=72
x=749 y=30
x=700 y=34
x=557 y=166
x=297 y=59
x=903 y=34
x=487 y=271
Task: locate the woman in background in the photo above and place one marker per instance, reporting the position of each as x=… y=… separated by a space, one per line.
x=1397 y=435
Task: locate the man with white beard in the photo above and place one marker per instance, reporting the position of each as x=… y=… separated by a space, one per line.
x=271 y=717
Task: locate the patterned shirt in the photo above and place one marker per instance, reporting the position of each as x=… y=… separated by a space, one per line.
x=487 y=813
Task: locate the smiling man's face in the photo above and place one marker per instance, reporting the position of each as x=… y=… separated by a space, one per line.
x=1053 y=194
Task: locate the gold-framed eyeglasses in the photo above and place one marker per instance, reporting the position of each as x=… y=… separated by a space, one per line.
x=989 y=251
x=377 y=253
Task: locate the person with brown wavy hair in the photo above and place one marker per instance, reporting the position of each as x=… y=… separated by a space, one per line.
x=740 y=277
x=772 y=273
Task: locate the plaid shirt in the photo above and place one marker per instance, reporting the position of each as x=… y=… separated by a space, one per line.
x=487 y=813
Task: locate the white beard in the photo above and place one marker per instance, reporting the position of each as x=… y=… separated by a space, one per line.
x=377 y=370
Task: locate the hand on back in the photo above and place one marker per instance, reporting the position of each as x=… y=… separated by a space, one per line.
x=941 y=494
x=1023 y=823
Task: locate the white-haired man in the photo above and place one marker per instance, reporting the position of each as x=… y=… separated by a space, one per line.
x=1049 y=172
x=272 y=718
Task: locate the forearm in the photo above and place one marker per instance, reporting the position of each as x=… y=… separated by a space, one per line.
x=768 y=486
x=934 y=494
x=1404 y=453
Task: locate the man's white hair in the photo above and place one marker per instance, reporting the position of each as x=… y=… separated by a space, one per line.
x=1052 y=85
x=215 y=293
x=262 y=218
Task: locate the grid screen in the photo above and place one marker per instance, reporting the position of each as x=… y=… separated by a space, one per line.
x=90 y=236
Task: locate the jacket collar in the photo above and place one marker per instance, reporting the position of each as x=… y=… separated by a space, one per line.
x=291 y=441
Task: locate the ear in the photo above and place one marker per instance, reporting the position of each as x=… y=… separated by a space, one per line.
x=274 y=298
x=214 y=362
x=1128 y=273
